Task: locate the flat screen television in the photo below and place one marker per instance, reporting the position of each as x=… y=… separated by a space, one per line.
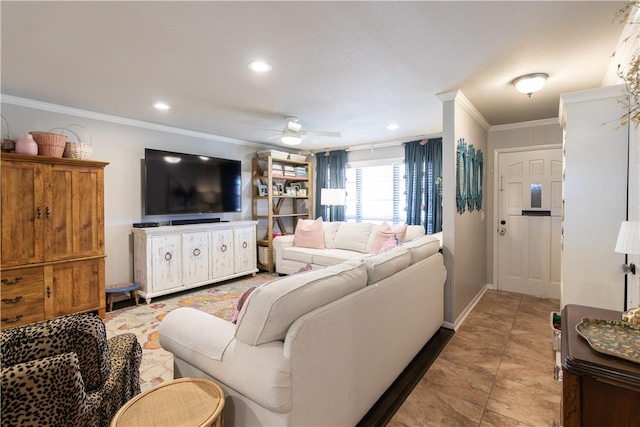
x=179 y=184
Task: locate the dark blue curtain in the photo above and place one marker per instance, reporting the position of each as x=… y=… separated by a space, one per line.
x=423 y=169
x=330 y=173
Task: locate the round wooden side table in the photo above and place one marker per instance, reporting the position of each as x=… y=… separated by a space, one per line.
x=184 y=402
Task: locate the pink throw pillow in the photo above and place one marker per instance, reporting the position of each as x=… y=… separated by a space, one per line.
x=241 y=302
x=388 y=245
x=385 y=231
x=309 y=234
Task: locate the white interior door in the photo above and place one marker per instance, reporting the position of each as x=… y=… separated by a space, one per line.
x=530 y=222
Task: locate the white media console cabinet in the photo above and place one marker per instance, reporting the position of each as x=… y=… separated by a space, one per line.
x=170 y=259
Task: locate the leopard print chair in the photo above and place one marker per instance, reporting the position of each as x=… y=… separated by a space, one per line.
x=64 y=372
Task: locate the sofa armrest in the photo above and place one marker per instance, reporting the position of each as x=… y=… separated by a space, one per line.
x=179 y=334
x=280 y=243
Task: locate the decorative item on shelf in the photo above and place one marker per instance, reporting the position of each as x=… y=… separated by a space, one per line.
x=49 y=143
x=27 y=145
x=632 y=316
x=263 y=190
x=302 y=192
x=297 y=157
x=79 y=149
x=8 y=144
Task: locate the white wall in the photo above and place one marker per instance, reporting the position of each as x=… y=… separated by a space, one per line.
x=464 y=235
x=123 y=147
x=595 y=197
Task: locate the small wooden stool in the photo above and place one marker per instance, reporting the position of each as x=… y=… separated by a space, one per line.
x=132 y=288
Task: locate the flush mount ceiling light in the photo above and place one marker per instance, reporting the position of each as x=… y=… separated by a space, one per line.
x=530 y=83
x=259 y=66
x=290 y=138
x=161 y=106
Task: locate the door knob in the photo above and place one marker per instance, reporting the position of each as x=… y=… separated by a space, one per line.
x=502 y=231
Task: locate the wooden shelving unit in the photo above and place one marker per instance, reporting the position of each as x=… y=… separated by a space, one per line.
x=279 y=211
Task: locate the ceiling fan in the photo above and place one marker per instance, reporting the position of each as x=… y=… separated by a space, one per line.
x=292 y=133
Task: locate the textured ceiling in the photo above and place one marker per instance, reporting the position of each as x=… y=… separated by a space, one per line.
x=352 y=67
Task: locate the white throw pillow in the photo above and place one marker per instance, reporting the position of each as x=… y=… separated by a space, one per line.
x=329 y=229
x=274 y=306
x=352 y=236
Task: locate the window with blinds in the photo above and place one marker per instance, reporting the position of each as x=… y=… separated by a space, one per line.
x=376 y=194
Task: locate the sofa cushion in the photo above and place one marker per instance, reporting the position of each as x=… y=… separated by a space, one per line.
x=352 y=236
x=273 y=307
x=309 y=234
x=385 y=264
x=422 y=247
x=304 y=255
x=329 y=229
x=334 y=256
x=381 y=235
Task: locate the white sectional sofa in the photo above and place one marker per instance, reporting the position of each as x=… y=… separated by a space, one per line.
x=316 y=348
x=342 y=241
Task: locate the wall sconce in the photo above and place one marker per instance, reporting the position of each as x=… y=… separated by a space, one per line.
x=629 y=243
x=530 y=83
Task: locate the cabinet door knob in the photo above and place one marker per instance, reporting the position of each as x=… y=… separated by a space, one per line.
x=196 y=252
x=48 y=291
x=13 y=282
x=14 y=320
x=39 y=212
x=244 y=245
x=223 y=248
x=47 y=212
x=168 y=256
x=12 y=300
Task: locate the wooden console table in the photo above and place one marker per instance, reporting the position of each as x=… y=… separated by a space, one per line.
x=597 y=390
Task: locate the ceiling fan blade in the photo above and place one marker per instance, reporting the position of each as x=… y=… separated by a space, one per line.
x=321 y=133
x=275 y=136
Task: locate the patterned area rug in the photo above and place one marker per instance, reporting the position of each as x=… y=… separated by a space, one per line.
x=219 y=299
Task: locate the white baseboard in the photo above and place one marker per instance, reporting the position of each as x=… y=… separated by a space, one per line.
x=468 y=309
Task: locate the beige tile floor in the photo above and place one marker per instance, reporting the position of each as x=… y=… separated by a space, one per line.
x=497 y=370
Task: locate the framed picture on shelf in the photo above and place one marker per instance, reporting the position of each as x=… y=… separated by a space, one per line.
x=280 y=188
x=263 y=190
x=295 y=188
x=274 y=189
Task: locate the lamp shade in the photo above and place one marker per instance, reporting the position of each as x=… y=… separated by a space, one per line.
x=629 y=238
x=333 y=196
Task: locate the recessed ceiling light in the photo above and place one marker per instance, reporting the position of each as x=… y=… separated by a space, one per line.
x=161 y=106
x=259 y=66
x=393 y=126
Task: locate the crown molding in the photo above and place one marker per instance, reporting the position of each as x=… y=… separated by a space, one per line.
x=61 y=109
x=521 y=125
x=463 y=101
x=605 y=92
